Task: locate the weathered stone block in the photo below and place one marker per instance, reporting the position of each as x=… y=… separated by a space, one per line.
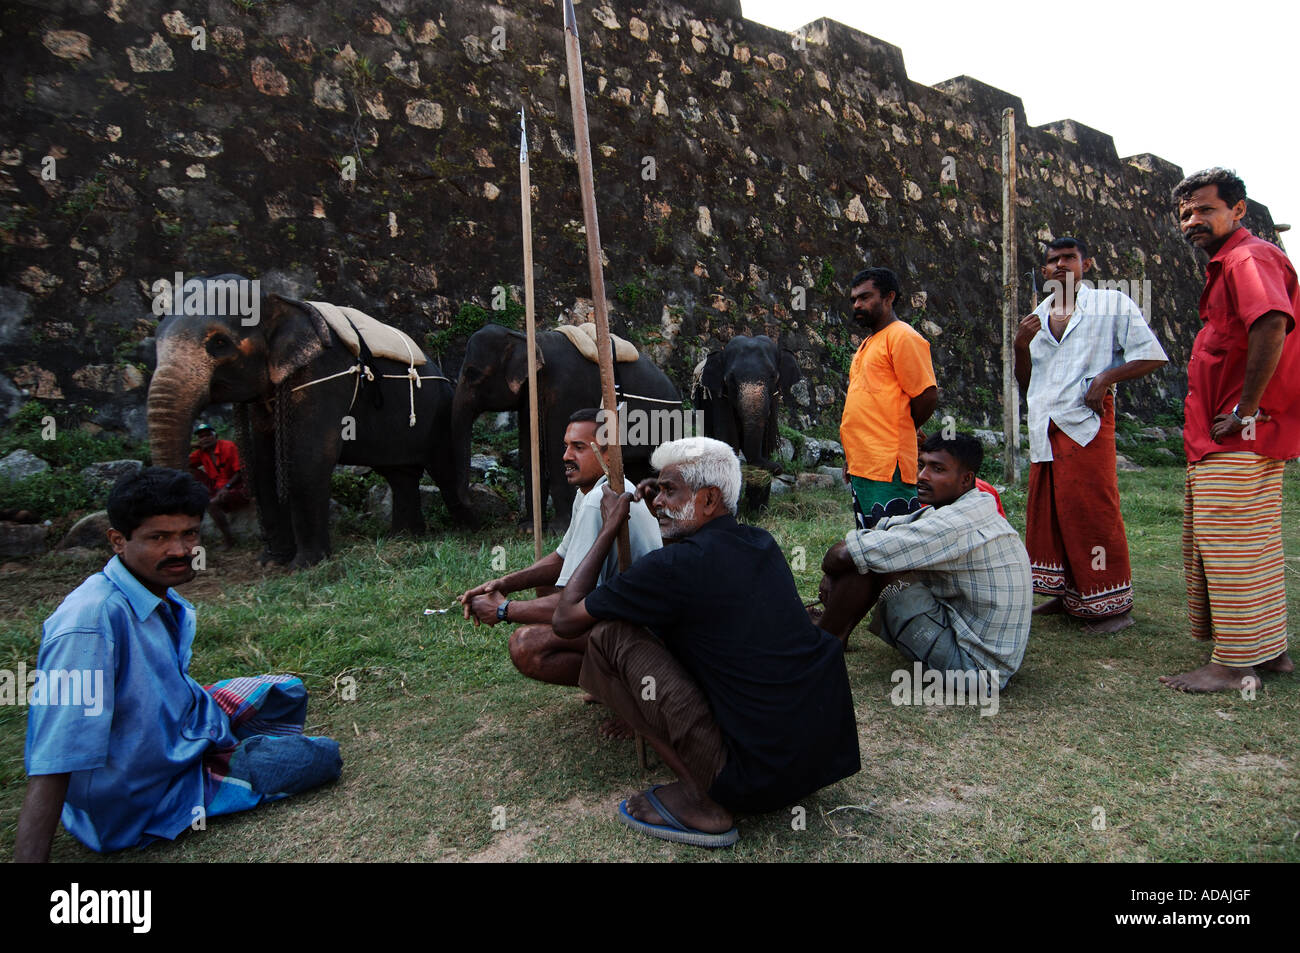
x=21 y=465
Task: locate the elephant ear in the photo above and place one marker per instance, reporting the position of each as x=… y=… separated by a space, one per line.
x=296 y=335
x=789 y=374
x=516 y=360
x=711 y=376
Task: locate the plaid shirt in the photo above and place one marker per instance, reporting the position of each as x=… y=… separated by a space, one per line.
x=973 y=562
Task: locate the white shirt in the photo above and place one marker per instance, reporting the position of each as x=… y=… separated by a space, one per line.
x=584 y=527
x=1107 y=329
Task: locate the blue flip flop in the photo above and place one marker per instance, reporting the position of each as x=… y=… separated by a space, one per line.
x=674 y=830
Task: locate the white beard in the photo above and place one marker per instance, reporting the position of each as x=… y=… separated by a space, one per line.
x=684 y=515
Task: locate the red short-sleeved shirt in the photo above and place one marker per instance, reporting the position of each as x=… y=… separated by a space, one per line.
x=219 y=467
x=1246 y=279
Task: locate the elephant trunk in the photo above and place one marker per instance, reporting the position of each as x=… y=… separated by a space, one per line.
x=753 y=408
x=463 y=413
x=178 y=391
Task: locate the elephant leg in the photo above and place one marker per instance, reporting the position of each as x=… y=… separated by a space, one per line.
x=405 y=483
x=443 y=470
x=553 y=469
x=310 y=508
x=278 y=545
x=526 y=465
x=314 y=443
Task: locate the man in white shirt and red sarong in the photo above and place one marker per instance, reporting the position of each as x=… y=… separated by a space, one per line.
x=1075 y=346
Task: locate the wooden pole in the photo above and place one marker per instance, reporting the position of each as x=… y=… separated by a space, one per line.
x=534 y=450
x=582 y=140
x=1010 y=312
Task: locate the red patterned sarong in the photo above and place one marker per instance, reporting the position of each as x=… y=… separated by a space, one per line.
x=1074 y=531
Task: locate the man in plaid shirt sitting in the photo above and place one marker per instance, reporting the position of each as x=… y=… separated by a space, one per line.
x=952 y=580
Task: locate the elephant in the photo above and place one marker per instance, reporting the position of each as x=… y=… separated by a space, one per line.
x=739 y=389
x=295 y=431
x=494 y=377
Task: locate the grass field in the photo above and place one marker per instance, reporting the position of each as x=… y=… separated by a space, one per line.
x=1087 y=758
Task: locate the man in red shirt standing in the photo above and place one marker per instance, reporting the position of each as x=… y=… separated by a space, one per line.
x=1243 y=422
x=215 y=464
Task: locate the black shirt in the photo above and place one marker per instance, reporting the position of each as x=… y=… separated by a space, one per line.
x=725 y=604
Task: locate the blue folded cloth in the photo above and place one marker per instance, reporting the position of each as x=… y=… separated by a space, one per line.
x=286 y=764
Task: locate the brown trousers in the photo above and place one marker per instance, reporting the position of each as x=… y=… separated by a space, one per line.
x=635 y=675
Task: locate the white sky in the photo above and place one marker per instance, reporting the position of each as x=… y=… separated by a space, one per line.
x=1196 y=83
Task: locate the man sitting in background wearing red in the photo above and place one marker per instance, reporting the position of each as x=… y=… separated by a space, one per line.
x=216 y=465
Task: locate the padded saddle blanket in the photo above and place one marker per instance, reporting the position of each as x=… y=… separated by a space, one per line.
x=383 y=340
x=583 y=337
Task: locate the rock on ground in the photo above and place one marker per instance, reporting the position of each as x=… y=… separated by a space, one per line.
x=22 y=539
x=107 y=473
x=20 y=465
x=89 y=532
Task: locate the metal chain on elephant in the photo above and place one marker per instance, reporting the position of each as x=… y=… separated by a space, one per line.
x=282 y=416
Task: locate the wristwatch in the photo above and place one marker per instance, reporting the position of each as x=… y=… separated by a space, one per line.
x=501 y=611
x=1244 y=421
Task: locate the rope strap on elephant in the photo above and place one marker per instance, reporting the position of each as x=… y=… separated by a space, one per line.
x=347 y=324
x=361 y=370
x=654 y=400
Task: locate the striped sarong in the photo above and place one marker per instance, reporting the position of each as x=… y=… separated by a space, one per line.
x=273 y=758
x=1232 y=556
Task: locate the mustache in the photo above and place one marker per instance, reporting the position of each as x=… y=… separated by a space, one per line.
x=686 y=512
x=169 y=563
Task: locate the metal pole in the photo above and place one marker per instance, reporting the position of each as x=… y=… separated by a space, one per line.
x=1010 y=310
x=534 y=451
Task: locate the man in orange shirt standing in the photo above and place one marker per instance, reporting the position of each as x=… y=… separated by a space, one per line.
x=891 y=393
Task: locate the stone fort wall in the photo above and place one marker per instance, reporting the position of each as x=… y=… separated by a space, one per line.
x=367 y=153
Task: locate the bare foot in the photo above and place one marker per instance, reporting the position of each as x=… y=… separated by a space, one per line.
x=1278 y=663
x=697 y=811
x=1053 y=606
x=616 y=728
x=1115 y=623
x=815 y=613
x=1213 y=677
x=589 y=699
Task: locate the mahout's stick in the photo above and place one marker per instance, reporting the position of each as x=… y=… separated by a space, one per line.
x=534 y=453
x=582 y=139
x=1010 y=315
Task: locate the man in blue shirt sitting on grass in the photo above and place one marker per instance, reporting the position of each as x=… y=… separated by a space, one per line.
x=121 y=742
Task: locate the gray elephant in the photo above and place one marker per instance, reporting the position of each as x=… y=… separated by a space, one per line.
x=494 y=377
x=302 y=411
x=739 y=390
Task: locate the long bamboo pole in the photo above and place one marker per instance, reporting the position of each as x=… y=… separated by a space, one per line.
x=609 y=400
x=582 y=140
x=1010 y=314
x=530 y=312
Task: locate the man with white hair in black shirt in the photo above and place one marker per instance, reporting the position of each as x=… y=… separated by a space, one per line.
x=704 y=647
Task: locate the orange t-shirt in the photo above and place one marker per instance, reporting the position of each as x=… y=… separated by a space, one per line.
x=890 y=368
